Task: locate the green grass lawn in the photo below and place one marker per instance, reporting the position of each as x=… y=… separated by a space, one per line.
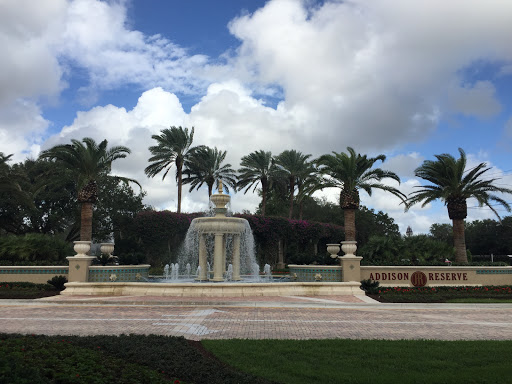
x=368 y=361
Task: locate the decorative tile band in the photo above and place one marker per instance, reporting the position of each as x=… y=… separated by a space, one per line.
x=22 y=271
x=315 y=274
x=494 y=272
x=106 y=274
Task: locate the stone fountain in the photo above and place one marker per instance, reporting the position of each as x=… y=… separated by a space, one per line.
x=221 y=227
x=226 y=277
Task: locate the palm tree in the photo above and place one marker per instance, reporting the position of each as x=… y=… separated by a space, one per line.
x=204 y=166
x=352 y=172
x=453 y=184
x=292 y=165
x=257 y=168
x=88 y=164
x=173 y=147
x=307 y=184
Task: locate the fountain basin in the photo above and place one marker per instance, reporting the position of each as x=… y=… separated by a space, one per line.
x=214 y=289
x=225 y=225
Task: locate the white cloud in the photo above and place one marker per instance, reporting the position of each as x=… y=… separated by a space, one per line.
x=375 y=74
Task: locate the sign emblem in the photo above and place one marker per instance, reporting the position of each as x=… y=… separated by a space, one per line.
x=418 y=279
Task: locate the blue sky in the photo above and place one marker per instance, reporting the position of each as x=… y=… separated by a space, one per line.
x=407 y=79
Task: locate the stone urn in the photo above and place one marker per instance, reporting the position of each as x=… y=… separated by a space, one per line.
x=333 y=250
x=349 y=247
x=107 y=248
x=82 y=247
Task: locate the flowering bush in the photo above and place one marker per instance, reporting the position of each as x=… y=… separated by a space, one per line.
x=436 y=294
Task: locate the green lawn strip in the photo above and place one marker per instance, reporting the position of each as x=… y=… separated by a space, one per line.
x=172 y=357
x=368 y=361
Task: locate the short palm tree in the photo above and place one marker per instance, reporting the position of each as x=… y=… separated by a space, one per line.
x=88 y=162
x=204 y=166
x=172 y=148
x=352 y=172
x=292 y=165
x=258 y=168
x=453 y=184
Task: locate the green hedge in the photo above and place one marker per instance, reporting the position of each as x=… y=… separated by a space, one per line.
x=34 y=248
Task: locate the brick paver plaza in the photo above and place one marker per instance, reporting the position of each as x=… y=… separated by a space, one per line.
x=256 y=318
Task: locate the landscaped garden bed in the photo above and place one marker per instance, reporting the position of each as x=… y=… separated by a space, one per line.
x=443 y=294
x=25 y=290
x=133 y=359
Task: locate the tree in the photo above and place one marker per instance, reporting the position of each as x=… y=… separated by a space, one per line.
x=442 y=232
x=173 y=147
x=293 y=165
x=87 y=163
x=352 y=172
x=204 y=166
x=258 y=168
x=453 y=184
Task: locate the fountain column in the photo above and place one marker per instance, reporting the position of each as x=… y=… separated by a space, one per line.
x=203 y=273
x=218 y=256
x=236 y=258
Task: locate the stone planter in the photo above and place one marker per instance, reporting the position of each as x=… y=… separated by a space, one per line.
x=107 y=248
x=333 y=249
x=82 y=247
x=349 y=247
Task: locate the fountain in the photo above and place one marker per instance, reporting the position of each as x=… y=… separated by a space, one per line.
x=226 y=245
x=218 y=241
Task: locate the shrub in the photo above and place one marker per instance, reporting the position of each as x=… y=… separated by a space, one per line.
x=34 y=247
x=58 y=282
x=370 y=287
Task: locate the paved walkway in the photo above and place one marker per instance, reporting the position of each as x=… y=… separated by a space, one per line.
x=289 y=317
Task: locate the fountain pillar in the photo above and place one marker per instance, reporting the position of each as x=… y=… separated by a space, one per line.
x=218 y=267
x=236 y=258
x=203 y=274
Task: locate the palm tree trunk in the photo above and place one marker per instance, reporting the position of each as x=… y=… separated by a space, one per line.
x=210 y=190
x=292 y=190
x=459 y=241
x=180 y=185
x=86 y=222
x=263 y=196
x=350 y=224
x=301 y=208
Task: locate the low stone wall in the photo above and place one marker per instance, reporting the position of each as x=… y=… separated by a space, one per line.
x=119 y=273
x=31 y=274
x=436 y=276
x=213 y=289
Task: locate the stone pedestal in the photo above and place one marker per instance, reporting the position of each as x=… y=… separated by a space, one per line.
x=79 y=268
x=80 y=263
x=351 y=268
x=350 y=263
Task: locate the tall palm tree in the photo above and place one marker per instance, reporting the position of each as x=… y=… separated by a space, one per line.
x=308 y=184
x=204 y=166
x=172 y=148
x=88 y=164
x=292 y=166
x=453 y=184
x=257 y=168
x=352 y=172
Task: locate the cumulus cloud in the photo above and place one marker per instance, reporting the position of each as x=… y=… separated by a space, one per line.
x=375 y=74
x=360 y=73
